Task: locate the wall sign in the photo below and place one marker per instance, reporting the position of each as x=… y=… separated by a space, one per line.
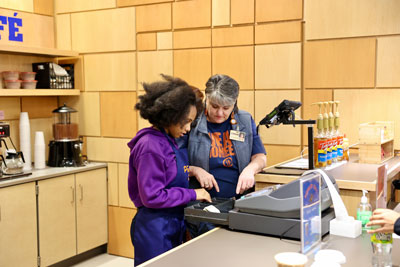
x=12 y=25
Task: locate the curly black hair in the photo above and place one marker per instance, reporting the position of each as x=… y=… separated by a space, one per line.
x=168 y=102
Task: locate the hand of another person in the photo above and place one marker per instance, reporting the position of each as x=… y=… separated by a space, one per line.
x=385 y=218
x=246 y=181
x=205 y=179
x=202 y=194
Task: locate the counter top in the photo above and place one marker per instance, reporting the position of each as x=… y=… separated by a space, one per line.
x=350 y=175
x=223 y=247
x=49 y=172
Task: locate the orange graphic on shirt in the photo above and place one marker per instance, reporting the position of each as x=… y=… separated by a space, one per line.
x=222 y=147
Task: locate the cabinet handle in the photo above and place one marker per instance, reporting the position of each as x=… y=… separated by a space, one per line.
x=81 y=187
x=73 y=194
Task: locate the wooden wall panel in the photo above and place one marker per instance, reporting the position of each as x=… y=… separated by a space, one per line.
x=242 y=11
x=192 y=39
x=152 y=64
x=191 y=14
x=63 y=6
x=22 y=5
x=112 y=174
x=193 y=65
x=366 y=105
x=43 y=7
x=237 y=62
x=276 y=10
x=282 y=32
x=118 y=117
x=119 y=236
x=350 y=18
x=146 y=41
x=33 y=28
x=246 y=101
x=39 y=107
x=277 y=154
x=153 y=17
x=164 y=40
x=220 y=12
x=278 y=66
x=340 y=63
x=123 y=3
x=108 y=149
x=388 y=62
x=265 y=102
x=110 y=72
x=115 y=33
x=233 y=36
x=63 y=32
x=11 y=107
x=88 y=107
x=124 y=199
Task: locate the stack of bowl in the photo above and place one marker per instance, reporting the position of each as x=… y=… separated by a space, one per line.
x=28 y=80
x=11 y=79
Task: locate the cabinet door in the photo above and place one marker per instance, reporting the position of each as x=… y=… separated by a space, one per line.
x=91 y=209
x=18 y=228
x=57 y=230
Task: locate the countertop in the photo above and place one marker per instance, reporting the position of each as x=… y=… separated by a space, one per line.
x=49 y=172
x=223 y=247
x=350 y=175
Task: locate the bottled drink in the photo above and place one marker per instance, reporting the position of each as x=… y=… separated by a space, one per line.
x=381 y=249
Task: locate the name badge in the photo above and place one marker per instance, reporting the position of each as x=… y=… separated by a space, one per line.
x=237 y=135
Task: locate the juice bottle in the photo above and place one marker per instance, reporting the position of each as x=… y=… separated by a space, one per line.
x=332 y=132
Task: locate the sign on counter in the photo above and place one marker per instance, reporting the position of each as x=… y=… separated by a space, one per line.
x=310 y=209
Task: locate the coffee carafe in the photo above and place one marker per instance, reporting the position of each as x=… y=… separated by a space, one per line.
x=14 y=162
x=65 y=149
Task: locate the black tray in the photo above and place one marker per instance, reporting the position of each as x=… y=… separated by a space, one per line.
x=195 y=212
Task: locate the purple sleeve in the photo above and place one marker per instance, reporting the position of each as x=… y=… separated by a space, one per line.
x=152 y=181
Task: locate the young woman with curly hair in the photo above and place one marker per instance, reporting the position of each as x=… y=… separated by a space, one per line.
x=159 y=170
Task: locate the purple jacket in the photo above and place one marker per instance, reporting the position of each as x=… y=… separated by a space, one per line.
x=152 y=167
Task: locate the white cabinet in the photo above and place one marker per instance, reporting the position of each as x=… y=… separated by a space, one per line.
x=72 y=215
x=18 y=226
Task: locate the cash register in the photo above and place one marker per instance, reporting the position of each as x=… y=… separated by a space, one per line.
x=273 y=211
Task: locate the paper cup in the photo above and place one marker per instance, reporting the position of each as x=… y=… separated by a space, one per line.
x=291 y=259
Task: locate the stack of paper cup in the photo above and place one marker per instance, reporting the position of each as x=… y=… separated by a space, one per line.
x=25 y=139
x=40 y=162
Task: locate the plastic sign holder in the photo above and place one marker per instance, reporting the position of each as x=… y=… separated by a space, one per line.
x=310 y=211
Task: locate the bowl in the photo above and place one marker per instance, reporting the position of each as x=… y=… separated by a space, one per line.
x=10 y=75
x=27 y=76
x=29 y=84
x=12 y=84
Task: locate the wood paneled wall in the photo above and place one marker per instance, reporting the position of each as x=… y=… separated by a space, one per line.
x=305 y=50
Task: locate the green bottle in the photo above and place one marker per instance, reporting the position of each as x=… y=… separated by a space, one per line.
x=364 y=211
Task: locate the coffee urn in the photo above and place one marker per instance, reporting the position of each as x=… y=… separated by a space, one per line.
x=66 y=148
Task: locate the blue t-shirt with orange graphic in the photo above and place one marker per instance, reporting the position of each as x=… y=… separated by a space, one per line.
x=223 y=161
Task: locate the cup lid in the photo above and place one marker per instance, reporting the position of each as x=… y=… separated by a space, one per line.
x=291 y=258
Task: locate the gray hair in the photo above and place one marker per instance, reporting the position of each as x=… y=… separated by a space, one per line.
x=222 y=89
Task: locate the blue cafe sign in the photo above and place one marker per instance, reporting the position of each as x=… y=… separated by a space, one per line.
x=13 y=24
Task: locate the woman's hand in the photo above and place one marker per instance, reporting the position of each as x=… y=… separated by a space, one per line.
x=246 y=178
x=385 y=218
x=205 y=179
x=246 y=181
x=202 y=194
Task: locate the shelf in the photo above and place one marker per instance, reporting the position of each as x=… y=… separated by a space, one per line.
x=51 y=52
x=39 y=92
